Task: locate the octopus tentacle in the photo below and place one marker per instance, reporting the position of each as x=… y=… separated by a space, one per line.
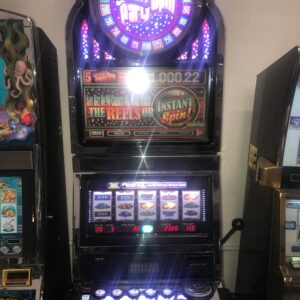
x=7 y=84
x=27 y=78
x=9 y=52
x=23 y=42
x=16 y=93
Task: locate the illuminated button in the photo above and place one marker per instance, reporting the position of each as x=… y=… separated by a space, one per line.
x=100 y=293
x=17 y=249
x=134 y=292
x=147 y=229
x=167 y=292
x=117 y=292
x=198 y=289
x=4 y=249
x=150 y=292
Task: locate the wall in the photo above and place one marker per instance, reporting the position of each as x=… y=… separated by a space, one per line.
x=257 y=33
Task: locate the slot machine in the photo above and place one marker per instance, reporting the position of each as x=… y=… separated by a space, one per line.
x=33 y=220
x=268 y=265
x=145 y=96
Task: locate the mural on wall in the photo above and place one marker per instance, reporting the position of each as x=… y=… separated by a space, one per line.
x=17 y=116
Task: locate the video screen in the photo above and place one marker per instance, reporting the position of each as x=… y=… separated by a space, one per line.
x=17 y=294
x=292 y=227
x=174 y=106
x=144 y=205
x=11 y=227
x=292 y=145
x=139 y=207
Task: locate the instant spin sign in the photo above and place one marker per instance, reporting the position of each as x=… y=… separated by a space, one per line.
x=175 y=107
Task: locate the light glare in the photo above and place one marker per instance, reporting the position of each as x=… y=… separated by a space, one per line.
x=147 y=228
x=137 y=81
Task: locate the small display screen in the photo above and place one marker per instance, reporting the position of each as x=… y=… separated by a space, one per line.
x=292 y=227
x=292 y=145
x=146 y=207
x=11 y=227
x=17 y=295
x=173 y=104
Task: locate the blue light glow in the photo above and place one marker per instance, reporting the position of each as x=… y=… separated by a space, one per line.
x=147 y=229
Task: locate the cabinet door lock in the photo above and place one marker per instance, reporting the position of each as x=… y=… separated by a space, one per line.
x=268 y=174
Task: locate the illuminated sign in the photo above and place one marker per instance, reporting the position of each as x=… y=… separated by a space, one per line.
x=174 y=105
x=17 y=102
x=147 y=185
x=144 y=26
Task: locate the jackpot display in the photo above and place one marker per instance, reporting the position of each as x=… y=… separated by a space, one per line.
x=174 y=106
x=31 y=165
x=145 y=95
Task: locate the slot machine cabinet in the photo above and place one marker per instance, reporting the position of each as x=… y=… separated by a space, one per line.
x=145 y=95
x=33 y=219
x=269 y=249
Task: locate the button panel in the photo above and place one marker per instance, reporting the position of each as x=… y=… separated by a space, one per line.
x=191 y=290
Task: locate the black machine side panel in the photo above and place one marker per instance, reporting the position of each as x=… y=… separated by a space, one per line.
x=274 y=90
x=255 y=240
x=57 y=273
x=272 y=100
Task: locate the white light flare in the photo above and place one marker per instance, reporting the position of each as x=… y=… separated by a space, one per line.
x=137 y=80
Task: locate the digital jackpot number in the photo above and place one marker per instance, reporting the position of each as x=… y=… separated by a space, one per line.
x=169 y=77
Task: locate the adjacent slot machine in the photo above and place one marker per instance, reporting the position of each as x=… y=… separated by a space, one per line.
x=32 y=192
x=145 y=95
x=268 y=266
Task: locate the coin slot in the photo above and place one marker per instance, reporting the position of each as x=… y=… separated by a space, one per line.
x=14 y=242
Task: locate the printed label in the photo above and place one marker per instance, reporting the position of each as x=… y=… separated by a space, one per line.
x=125 y=205
x=168 y=205
x=147 y=205
x=102 y=209
x=191 y=205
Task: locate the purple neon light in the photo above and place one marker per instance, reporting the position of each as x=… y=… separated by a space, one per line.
x=96 y=50
x=206 y=39
x=206 y=44
x=84 y=39
x=84 y=33
x=195 y=49
x=107 y=56
x=183 y=56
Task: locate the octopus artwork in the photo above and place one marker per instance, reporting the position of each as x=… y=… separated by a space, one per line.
x=17 y=116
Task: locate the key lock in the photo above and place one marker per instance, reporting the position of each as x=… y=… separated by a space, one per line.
x=267 y=174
